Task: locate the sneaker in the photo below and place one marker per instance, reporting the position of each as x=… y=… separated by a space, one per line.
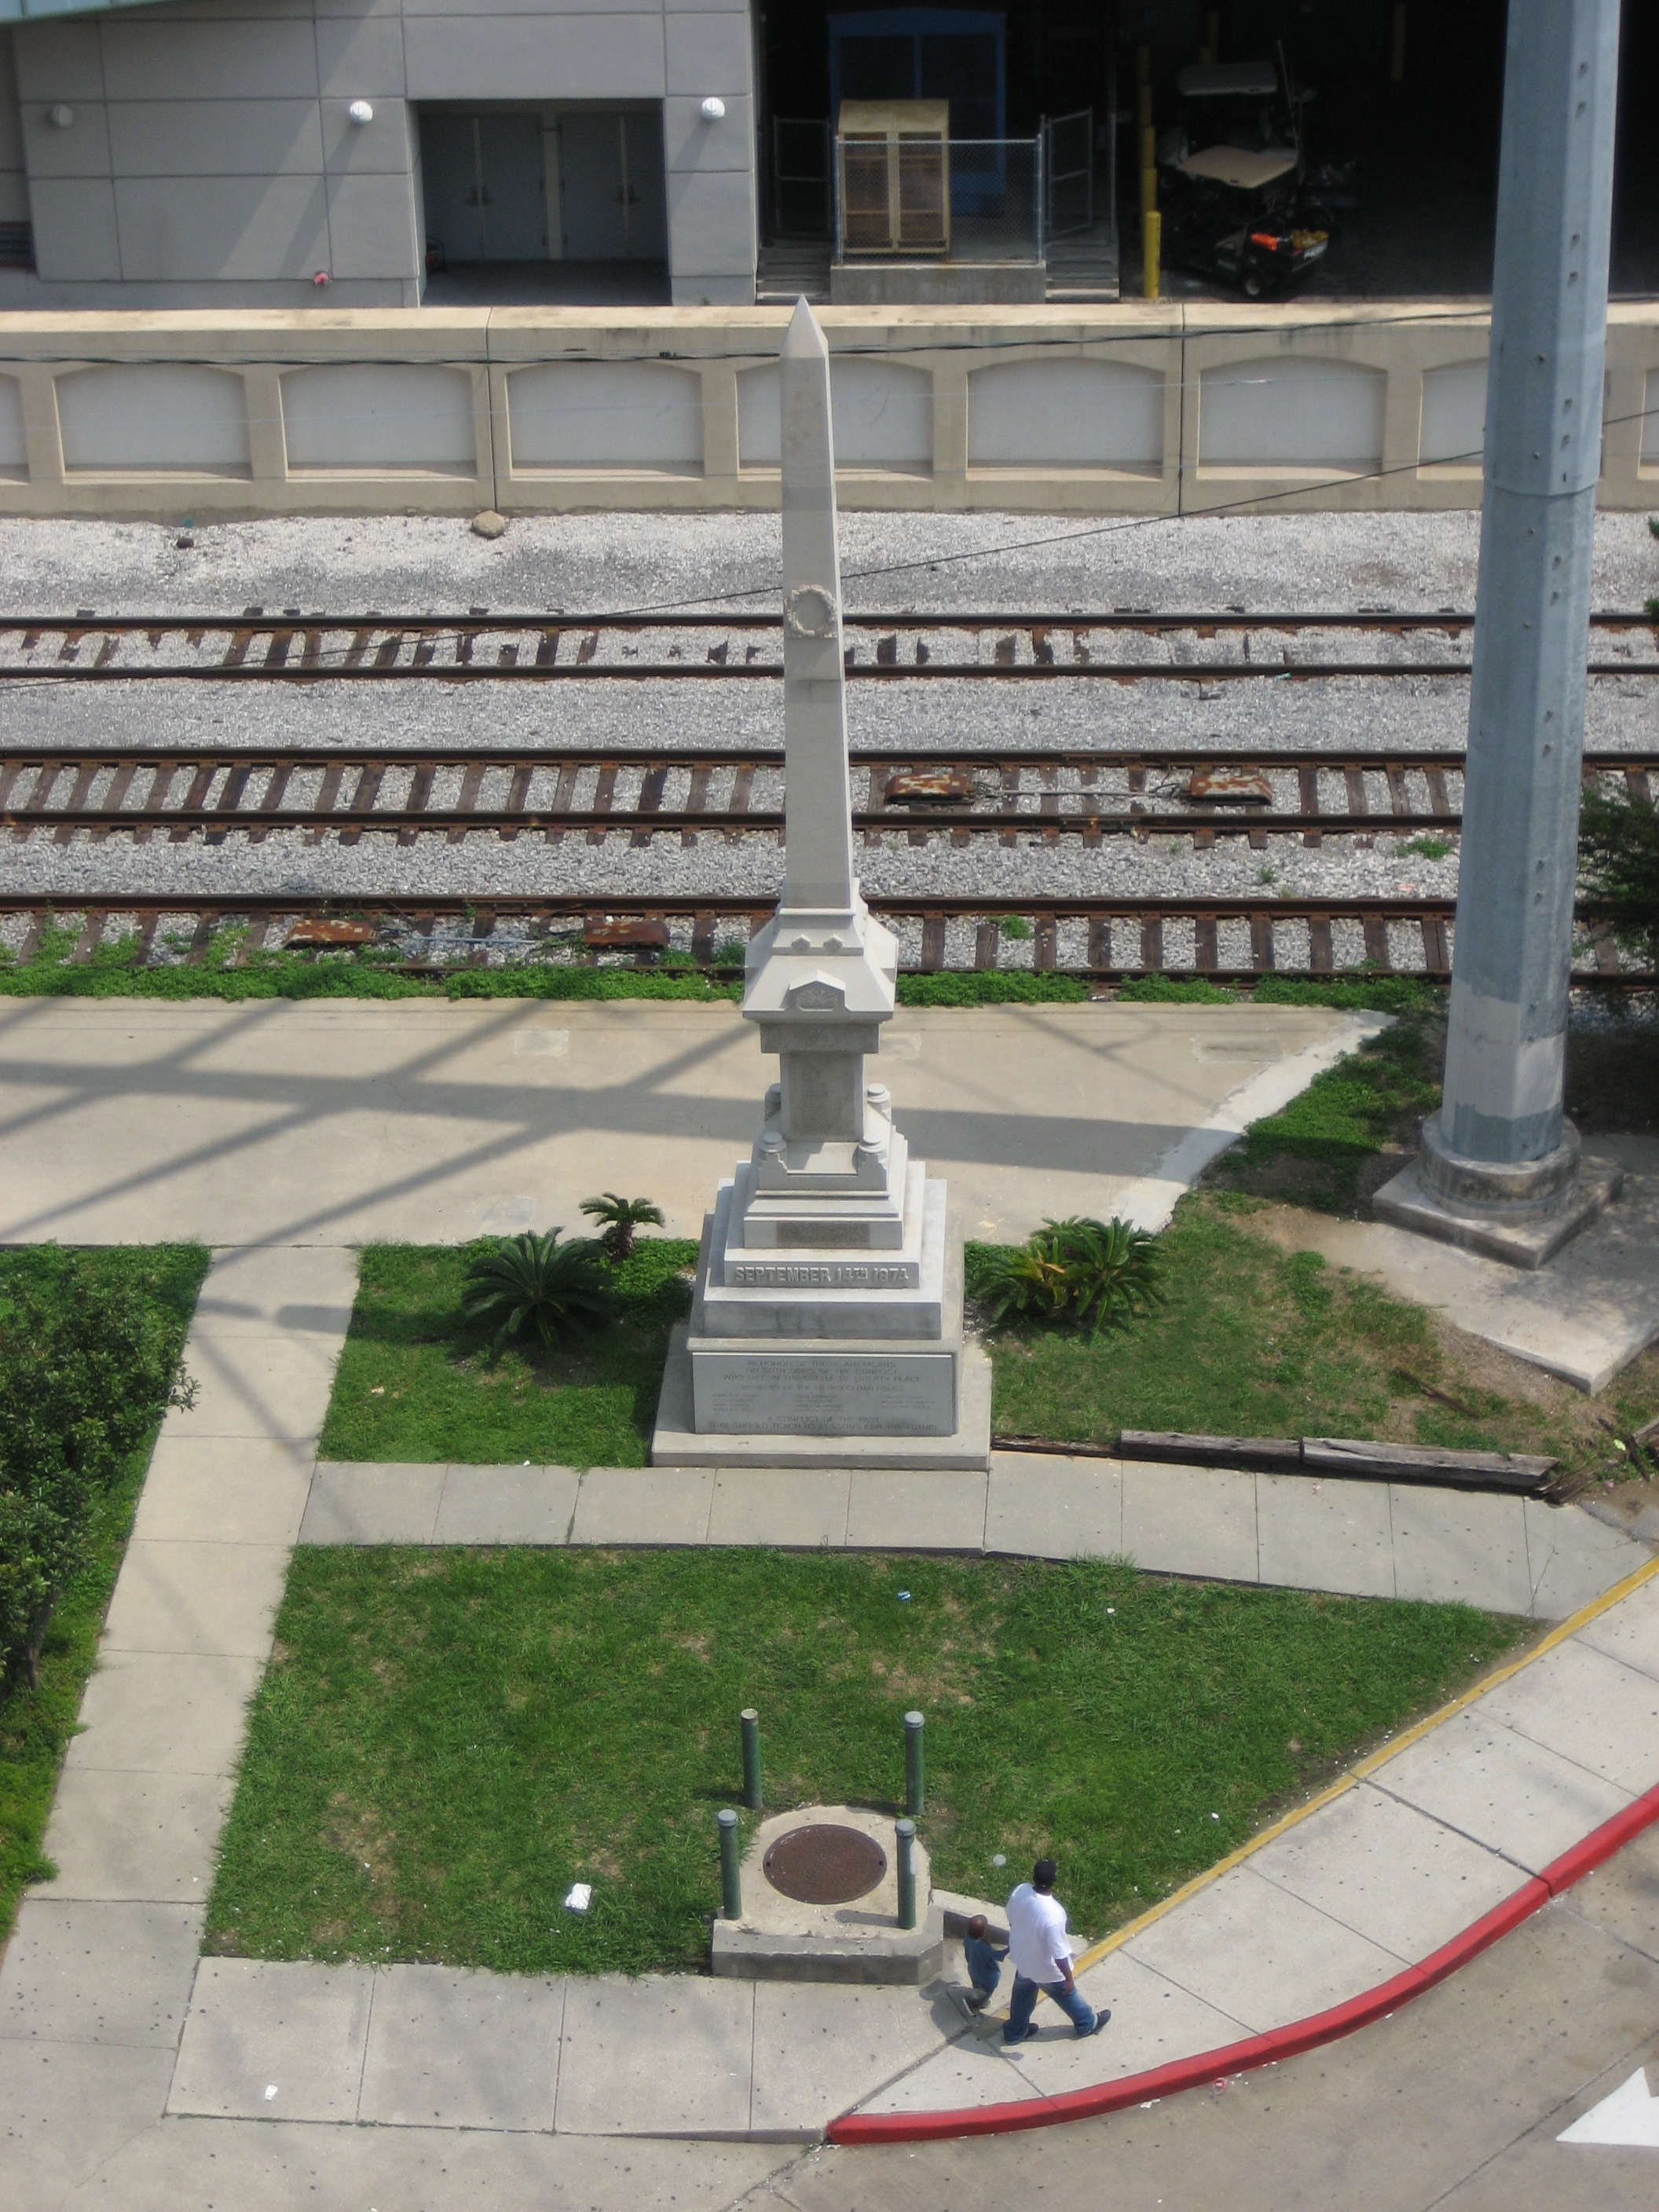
x=1010 y=2039
x=1101 y=2018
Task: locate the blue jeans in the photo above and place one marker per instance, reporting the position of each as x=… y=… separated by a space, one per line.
x=1073 y=2002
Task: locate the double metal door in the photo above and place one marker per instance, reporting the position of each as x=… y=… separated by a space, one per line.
x=486 y=192
x=613 y=202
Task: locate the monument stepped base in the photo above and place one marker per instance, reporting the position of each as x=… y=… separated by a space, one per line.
x=676 y=1442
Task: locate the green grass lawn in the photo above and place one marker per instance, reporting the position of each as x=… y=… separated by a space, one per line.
x=36 y=1724
x=415 y=1380
x=447 y=1739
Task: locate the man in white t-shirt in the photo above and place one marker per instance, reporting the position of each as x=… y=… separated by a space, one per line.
x=1041 y=1953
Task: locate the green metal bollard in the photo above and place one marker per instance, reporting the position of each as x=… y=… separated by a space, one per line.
x=914 y=1724
x=906 y=1831
x=749 y=1720
x=731 y=1881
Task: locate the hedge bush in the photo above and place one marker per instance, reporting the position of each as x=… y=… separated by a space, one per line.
x=90 y=1348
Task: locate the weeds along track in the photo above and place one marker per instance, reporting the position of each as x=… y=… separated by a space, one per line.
x=1126 y=834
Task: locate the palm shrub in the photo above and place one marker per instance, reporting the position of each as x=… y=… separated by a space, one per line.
x=1097 y=1275
x=624 y=1217
x=1619 y=865
x=535 y=1283
x=88 y=1361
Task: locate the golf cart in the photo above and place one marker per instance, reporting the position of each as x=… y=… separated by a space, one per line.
x=1231 y=178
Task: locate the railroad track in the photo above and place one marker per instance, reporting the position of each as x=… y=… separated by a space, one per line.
x=1125 y=645
x=1109 y=939
x=410 y=793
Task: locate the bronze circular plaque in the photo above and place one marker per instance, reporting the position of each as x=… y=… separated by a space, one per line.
x=824 y=1865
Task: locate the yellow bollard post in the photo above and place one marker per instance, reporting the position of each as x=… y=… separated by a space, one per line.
x=1151 y=250
x=1148 y=193
x=1148 y=147
x=1144 y=106
x=1143 y=64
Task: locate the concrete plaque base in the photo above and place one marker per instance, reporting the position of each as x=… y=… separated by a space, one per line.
x=676 y=1441
x=780 y=1939
x=1525 y=1236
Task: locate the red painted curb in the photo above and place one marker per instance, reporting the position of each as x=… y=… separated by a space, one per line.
x=1279 y=2043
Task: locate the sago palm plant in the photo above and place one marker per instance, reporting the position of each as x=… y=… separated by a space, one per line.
x=534 y=1285
x=623 y=1219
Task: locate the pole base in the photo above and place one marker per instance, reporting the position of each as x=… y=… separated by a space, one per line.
x=1520 y=1213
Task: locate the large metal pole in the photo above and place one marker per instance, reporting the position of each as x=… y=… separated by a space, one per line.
x=1498 y=1147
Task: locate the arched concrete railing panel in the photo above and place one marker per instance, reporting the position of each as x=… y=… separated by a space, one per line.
x=1454 y=432
x=405 y=417
x=1059 y=413
x=14 y=439
x=1134 y=408
x=605 y=415
x=176 y=417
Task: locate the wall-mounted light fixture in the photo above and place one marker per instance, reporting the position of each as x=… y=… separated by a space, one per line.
x=713 y=109
x=360 y=112
x=60 y=117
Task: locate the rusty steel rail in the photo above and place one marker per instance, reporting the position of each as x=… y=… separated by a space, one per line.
x=963 y=794
x=642 y=928
x=481 y=645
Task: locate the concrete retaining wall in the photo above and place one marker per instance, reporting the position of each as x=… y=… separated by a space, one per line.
x=1133 y=409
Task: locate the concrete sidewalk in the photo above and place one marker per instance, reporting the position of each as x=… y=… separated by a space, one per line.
x=1364 y=1540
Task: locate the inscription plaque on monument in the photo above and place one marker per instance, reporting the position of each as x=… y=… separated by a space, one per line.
x=812 y=1393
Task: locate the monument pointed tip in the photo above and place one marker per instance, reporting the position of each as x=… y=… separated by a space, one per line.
x=804 y=334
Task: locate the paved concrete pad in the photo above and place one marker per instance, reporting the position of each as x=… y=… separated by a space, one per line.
x=1292 y=1530
x=1325 y=1535
x=257 y=2025
x=917 y=1512
x=1571 y=1557
x=1590 y=1708
x=666 y=2055
x=1511 y=1794
x=364 y=1502
x=1584 y=1316
x=1629 y=1631
x=797 y=1509
x=1190 y=1521
x=294 y=1123
x=974 y=2069
x=69 y=2109
x=77 y=1972
x=199 y=1598
x=454 y=2050
x=627 y=1505
x=211 y=1491
x=1466 y=1546
x=271 y=1386
x=506 y=1505
x=1404 y=1881
x=1051 y=1508
x=227 y=2166
x=1254 y=1951
x=818 y=2049
x=164 y=1713
x=148 y=1836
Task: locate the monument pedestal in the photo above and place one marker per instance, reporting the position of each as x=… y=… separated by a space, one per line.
x=678 y=1441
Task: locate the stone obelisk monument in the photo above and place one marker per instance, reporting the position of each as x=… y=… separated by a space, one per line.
x=827 y=1325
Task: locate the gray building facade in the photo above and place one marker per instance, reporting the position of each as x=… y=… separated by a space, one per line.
x=378 y=153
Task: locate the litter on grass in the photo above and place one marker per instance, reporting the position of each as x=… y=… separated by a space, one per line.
x=579 y=1897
